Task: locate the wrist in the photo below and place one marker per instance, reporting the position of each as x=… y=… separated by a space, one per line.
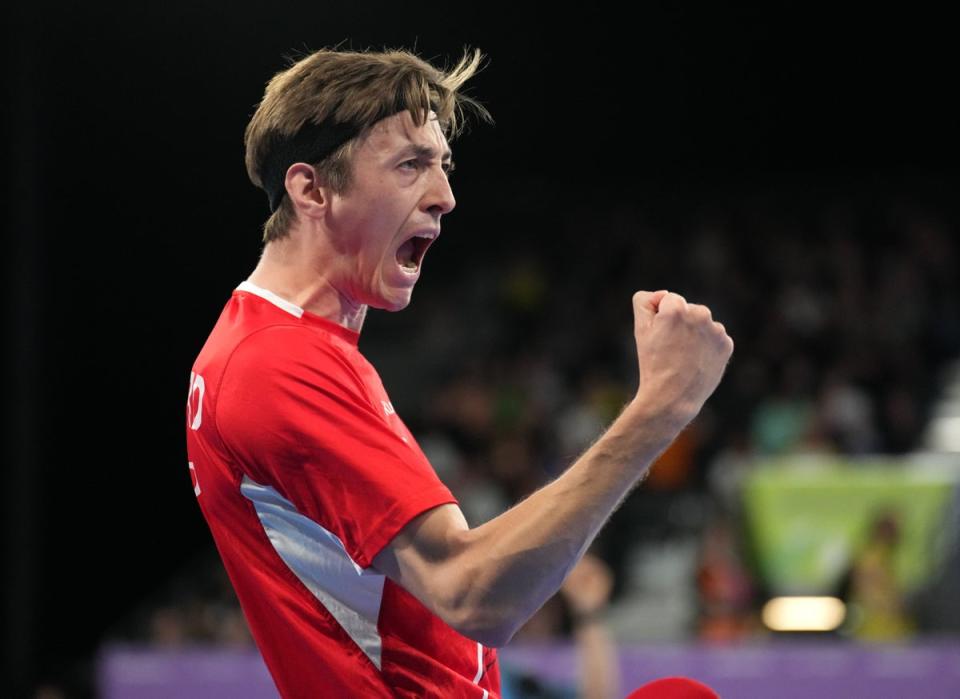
x=666 y=419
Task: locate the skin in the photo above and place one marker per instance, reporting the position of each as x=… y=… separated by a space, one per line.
x=487 y=581
x=587 y=590
x=340 y=259
x=340 y=256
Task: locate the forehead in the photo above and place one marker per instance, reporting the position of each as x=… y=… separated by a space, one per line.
x=398 y=133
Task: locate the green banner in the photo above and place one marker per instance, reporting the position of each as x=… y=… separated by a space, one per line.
x=808 y=517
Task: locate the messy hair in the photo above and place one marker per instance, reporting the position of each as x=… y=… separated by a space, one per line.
x=357 y=88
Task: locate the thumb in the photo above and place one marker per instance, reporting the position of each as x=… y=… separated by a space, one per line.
x=645 y=307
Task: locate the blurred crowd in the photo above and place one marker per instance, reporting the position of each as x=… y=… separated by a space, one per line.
x=844 y=309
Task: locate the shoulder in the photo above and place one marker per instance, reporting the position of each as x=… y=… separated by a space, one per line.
x=284 y=348
x=284 y=363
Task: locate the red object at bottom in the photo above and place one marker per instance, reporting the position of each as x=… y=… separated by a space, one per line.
x=673 y=688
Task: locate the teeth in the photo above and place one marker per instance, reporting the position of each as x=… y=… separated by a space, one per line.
x=406 y=254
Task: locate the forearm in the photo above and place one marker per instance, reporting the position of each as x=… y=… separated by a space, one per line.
x=486 y=582
x=512 y=564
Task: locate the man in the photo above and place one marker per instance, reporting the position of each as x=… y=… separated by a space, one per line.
x=354 y=566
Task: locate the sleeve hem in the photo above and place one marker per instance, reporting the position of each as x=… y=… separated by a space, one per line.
x=397 y=517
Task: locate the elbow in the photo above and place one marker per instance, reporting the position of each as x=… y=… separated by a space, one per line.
x=493 y=639
x=482 y=620
x=488 y=635
x=476 y=607
x=498 y=638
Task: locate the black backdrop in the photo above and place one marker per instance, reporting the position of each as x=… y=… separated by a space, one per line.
x=130 y=217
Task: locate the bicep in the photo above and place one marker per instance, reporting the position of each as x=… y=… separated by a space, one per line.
x=425 y=558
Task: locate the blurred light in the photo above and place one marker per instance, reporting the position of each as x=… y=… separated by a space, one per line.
x=945 y=433
x=804 y=613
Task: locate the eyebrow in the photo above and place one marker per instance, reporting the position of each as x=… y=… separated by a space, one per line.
x=422 y=151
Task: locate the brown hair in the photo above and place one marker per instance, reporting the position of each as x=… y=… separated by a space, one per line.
x=357 y=88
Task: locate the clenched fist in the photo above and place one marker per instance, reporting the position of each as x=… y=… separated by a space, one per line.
x=682 y=352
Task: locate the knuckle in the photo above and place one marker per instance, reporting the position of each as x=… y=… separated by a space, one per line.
x=698 y=314
x=673 y=303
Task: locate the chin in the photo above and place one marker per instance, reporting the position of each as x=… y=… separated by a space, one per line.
x=392 y=305
x=388 y=296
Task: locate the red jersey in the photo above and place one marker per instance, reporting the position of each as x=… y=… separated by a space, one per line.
x=304 y=471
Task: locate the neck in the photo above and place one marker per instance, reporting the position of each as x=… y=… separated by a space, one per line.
x=295 y=273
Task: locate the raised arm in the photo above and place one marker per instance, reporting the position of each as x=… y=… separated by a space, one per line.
x=487 y=581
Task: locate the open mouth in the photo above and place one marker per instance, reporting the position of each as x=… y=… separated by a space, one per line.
x=410 y=254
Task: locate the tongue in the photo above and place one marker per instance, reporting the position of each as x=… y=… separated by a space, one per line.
x=405 y=255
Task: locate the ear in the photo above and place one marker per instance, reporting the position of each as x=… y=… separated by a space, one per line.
x=308 y=195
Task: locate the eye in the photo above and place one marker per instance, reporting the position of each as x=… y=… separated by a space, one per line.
x=449 y=168
x=414 y=163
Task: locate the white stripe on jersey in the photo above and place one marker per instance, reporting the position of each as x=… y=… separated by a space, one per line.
x=277 y=301
x=350 y=593
x=476 y=679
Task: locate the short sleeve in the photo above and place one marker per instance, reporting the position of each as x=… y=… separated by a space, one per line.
x=295 y=414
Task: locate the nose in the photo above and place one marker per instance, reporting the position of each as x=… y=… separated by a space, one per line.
x=440 y=199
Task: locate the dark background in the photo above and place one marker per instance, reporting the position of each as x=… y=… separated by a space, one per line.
x=129 y=217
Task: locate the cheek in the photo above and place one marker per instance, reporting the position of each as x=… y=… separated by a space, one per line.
x=370 y=262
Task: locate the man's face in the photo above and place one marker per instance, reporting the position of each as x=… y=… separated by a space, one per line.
x=382 y=225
